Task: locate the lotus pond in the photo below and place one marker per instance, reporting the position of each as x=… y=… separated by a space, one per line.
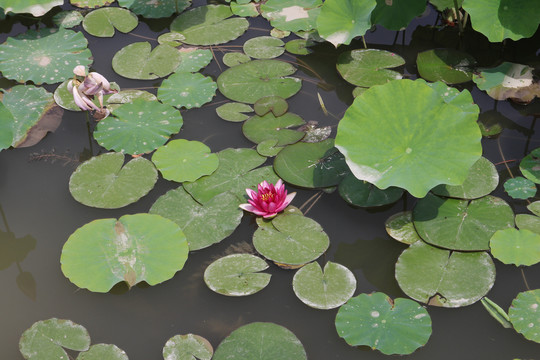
x=131 y=133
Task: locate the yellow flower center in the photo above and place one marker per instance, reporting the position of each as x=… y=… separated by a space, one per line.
x=267 y=197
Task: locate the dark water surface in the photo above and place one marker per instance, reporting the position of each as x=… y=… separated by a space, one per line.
x=38 y=214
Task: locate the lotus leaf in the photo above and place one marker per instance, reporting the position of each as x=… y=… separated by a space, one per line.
x=444 y=278
x=253 y=80
x=397 y=326
x=450 y=95
x=530 y=166
x=35 y=7
x=187 y=347
x=103 y=352
x=268 y=127
x=139 y=61
x=134 y=248
x=520 y=188
x=401 y=228
x=67 y=19
x=529 y=222
x=187 y=90
x=264 y=47
x=525 y=316
x=155 y=8
x=397 y=15
x=260 y=341
x=519 y=247
x=102 y=22
x=361 y=193
x=275 y=104
x=235 y=58
x=292 y=15
x=400 y=134
x=234 y=111
x=448 y=65
x=192 y=59
x=368 y=67
x=43 y=56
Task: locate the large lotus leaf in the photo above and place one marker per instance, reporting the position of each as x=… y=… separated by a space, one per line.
x=234 y=111
x=46 y=339
x=503 y=19
x=43 y=56
x=134 y=248
x=102 y=22
x=235 y=173
x=203 y=225
x=292 y=15
x=461 y=224
x=269 y=127
x=237 y=275
x=209 y=25
x=444 y=278
x=187 y=90
x=397 y=326
x=368 y=67
x=187 y=347
x=291 y=240
x=519 y=247
x=326 y=289
x=103 y=352
x=105 y=182
x=525 y=316
x=264 y=47
x=483 y=178
x=260 y=341
x=509 y=81
x=259 y=78
x=311 y=165
x=139 y=61
x=530 y=166
x=529 y=222
x=401 y=228
x=395 y=15
x=448 y=65
x=35 y=7
x=340 y=21
x=401 y=134
x=90 y=3
x=155 y=8
x=450 y=95
x=193 y=59
x=520 y=188
x=138 y=127
x=361 y=193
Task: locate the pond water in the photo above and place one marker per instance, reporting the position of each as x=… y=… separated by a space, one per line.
x=38 y=214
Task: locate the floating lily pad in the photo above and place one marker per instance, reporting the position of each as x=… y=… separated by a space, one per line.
x=203 y=225
x=43 y=56
x=235 y=58
x=35 y=7
x=138 y=127
x=268 y=148
x=299 y=46
x=400 y=134
x=279 y=34
x=461 y=224
x=264 y=47
x=397 y=15
x=529 y=222
x=103 y=352
x=448 y=65
x=188 y=347
x=267 y=127
x=520 y=188
x=209 y=25
x=530 y=166
x=187 y=90
x=67 y=19
x=275 y=104
x=368 y=67
x=237 y=275
x=139 y=61
x=260 y=341
x=193 y=59
x=246 y=10
x=102 y=22
x=534 y=208
x=292 y=240
x=326 y=289
x=292 y=15
x=173 y=39
x=105 y=182
x=258 y=78
x=444 y=278
x=397 y=326
x=361 y=193
x=90 y=3
x=525 y=316
x=519 y=247
x=401 y=228
x=134 y=248
x=155 y=8
x=47 y=339
x=234 y=111
x=128 y=96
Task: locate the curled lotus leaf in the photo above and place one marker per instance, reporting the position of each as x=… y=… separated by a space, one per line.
x=34 y=7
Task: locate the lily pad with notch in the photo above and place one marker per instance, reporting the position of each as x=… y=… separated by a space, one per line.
x=292 y=15
x=103 y=22
x=139 y=61
x=261 y=128
x=369 y=67
x=299 y=46
x=274 y=104
x=268 y=148
x=188 y=347
x=264 y=47
x=188 y=90
x=401 y=228
x=235 y=58
x=361 y=193
x=525 y=316
x=513 y=246
x=448 y=65
x=155 y=8
x=234 y=111
x=103 y=352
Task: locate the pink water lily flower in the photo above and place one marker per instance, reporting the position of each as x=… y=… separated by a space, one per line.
x=268 y=200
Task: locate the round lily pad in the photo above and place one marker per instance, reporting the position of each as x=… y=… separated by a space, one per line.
x=299 y=46
x=253 y=80
x=188 y=347
x=139 y=61
x=401 y=228
x=155 y=8
x=529 y=222
x=103 y=351
x=445 y=278
x=326 y=289
x=260 y=341
x=361 y=193
x=235 y=58
x=275 y=104
x=237 y=275
x=102 y=22
x=187 y=90
x=264 y=47
x=397 y=15
x=368 y=67
x=520 y=188
x=234 y=111
x=267 y=127
x=105 y=182
x=519 y=247
x=397 y=326
x=530 y=166
x=173 y=39
x=268 y=148
x=292 y=15
x=525 y=316
x=448 y=65
x=134 y=248
x=193 y=59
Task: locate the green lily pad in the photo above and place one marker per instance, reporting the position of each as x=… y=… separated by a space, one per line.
x=234 y=111
x=448 y=65
x=67 y=19
x=361 y=193
x=103 y=352
x=139 y=61
x=450 y=95
x=237 y=275
x=311 y=165
x=264 y=47
x=461 y=224
x=275 y=104
x=268 y=148
x=43 y=56
x=188 y=347
x=6 y=122
x=530 y=166
x=519 y=247
x=260 y=341
x=397 y=15
x=90 y=3
x=520 y=188
x=134 y=248
x=483 y=178
x=445 y=278
x=138 y=127
x=245 y=10
x=397 y=326
x=400 y=134
x=102 y=22
x=292 y=15
x=299 y=46
x=64 y=98
x=203 y=225
x=326 y=289
x=47 y=339
x=259 y=78
x=128 y=96
x=279 y=34
x=35 y=7
x=529 y=222
x=105 y=182
x=187 y=90
x=534 y=208
x=235 y=58
x=340 y=21
x=209 y=25
x=401 y=228
x=261 y=128
x=193 y=59
x=525 y=316
x=292 y=240
x=369 y=67
x=155 y=8
x=173 y=39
